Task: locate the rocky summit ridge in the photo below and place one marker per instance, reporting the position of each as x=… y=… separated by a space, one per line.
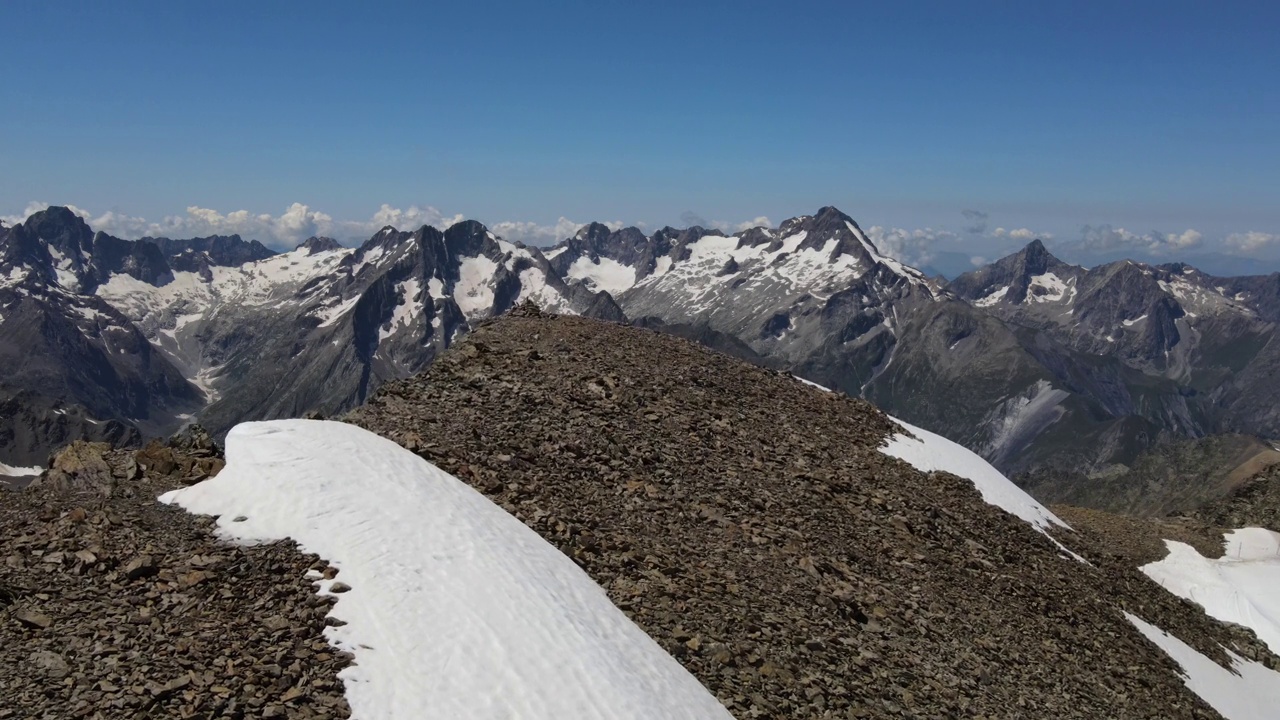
x=751 y=524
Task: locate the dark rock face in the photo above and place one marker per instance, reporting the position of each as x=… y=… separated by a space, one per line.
x=31 y=424
x=751 y=526
x=225 y=250
x=315 y=245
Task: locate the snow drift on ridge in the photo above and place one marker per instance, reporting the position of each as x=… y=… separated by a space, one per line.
x=930 y=452
x=1247 y=691
x=1242 y=586
x=456 y=609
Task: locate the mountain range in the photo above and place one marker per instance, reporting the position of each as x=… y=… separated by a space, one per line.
x=1057 y=374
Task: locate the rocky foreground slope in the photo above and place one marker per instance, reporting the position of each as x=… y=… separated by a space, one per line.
x=113 y=605
x=748 y=522
x=752 y=526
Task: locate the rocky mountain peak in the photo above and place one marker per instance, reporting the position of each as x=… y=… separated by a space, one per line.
x=1032 y=270
x=467 y=238
x=224 y=250
x=315 y=245
x=62 y=230
x=55 y=244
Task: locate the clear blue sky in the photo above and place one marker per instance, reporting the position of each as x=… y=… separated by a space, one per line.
x=1158 y=116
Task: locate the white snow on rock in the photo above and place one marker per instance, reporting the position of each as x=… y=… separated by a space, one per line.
x=992 y=298
x=1248 y=691
x=1242 y=586
x=929 y=452
x=457 y=609
x=10 y=471
x=608 y=274
x=474 y=290
x=1055 y=289
x=405 y=310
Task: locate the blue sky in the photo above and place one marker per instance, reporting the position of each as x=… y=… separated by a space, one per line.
x=1115 y=125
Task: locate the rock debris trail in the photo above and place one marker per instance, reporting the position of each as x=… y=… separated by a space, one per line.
x=115 y=606
x=752 y=526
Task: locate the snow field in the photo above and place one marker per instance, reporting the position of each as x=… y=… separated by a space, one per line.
x=456 y=609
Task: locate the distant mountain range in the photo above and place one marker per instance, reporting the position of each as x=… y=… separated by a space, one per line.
x=1036 y=364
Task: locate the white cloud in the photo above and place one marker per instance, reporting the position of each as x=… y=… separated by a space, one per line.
x=1104 y=237
x=531 y=233
x=732 y=227
x=978 y=261
x=1251 y=241
x=411 y=219
x=297 y=223
x=913 y=247
x=32 y=208
x=1021 y=234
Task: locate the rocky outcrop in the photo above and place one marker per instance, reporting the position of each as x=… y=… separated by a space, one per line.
x=113 y=605
x=1256 y=503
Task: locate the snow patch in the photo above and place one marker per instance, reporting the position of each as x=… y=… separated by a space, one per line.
x=402 y=316
x=928 y=452
x=457 y=609
x=533 y=286
x=1242 y=586
x=11 y=471
x=435 y=288
x=1248 y=691
x=1135 y=321
x=474 y=290
x=992 y=298
x=608 y=274
x=329 y=316
x=1055 y=288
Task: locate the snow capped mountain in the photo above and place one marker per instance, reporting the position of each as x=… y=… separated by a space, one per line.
x=1031 y=362
x=1146 y=352
x=785 y=292
x=74 y=364
x=319 y=327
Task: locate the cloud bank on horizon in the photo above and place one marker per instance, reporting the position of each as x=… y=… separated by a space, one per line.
x=920 y=247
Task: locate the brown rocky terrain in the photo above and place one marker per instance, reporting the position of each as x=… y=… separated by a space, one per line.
x=750 y=525
x=746 y=521
x=1175 y=476
x=1256 y=503
x=115 y=606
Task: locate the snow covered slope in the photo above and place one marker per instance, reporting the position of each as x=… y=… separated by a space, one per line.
x=456 y=609
x=1242 y=586
x=929 y=452
x=1247 y=691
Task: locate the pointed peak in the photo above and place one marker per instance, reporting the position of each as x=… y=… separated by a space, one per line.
x=1035 y=259
x=315 y=245
x=592 y=230
x=831 y=212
